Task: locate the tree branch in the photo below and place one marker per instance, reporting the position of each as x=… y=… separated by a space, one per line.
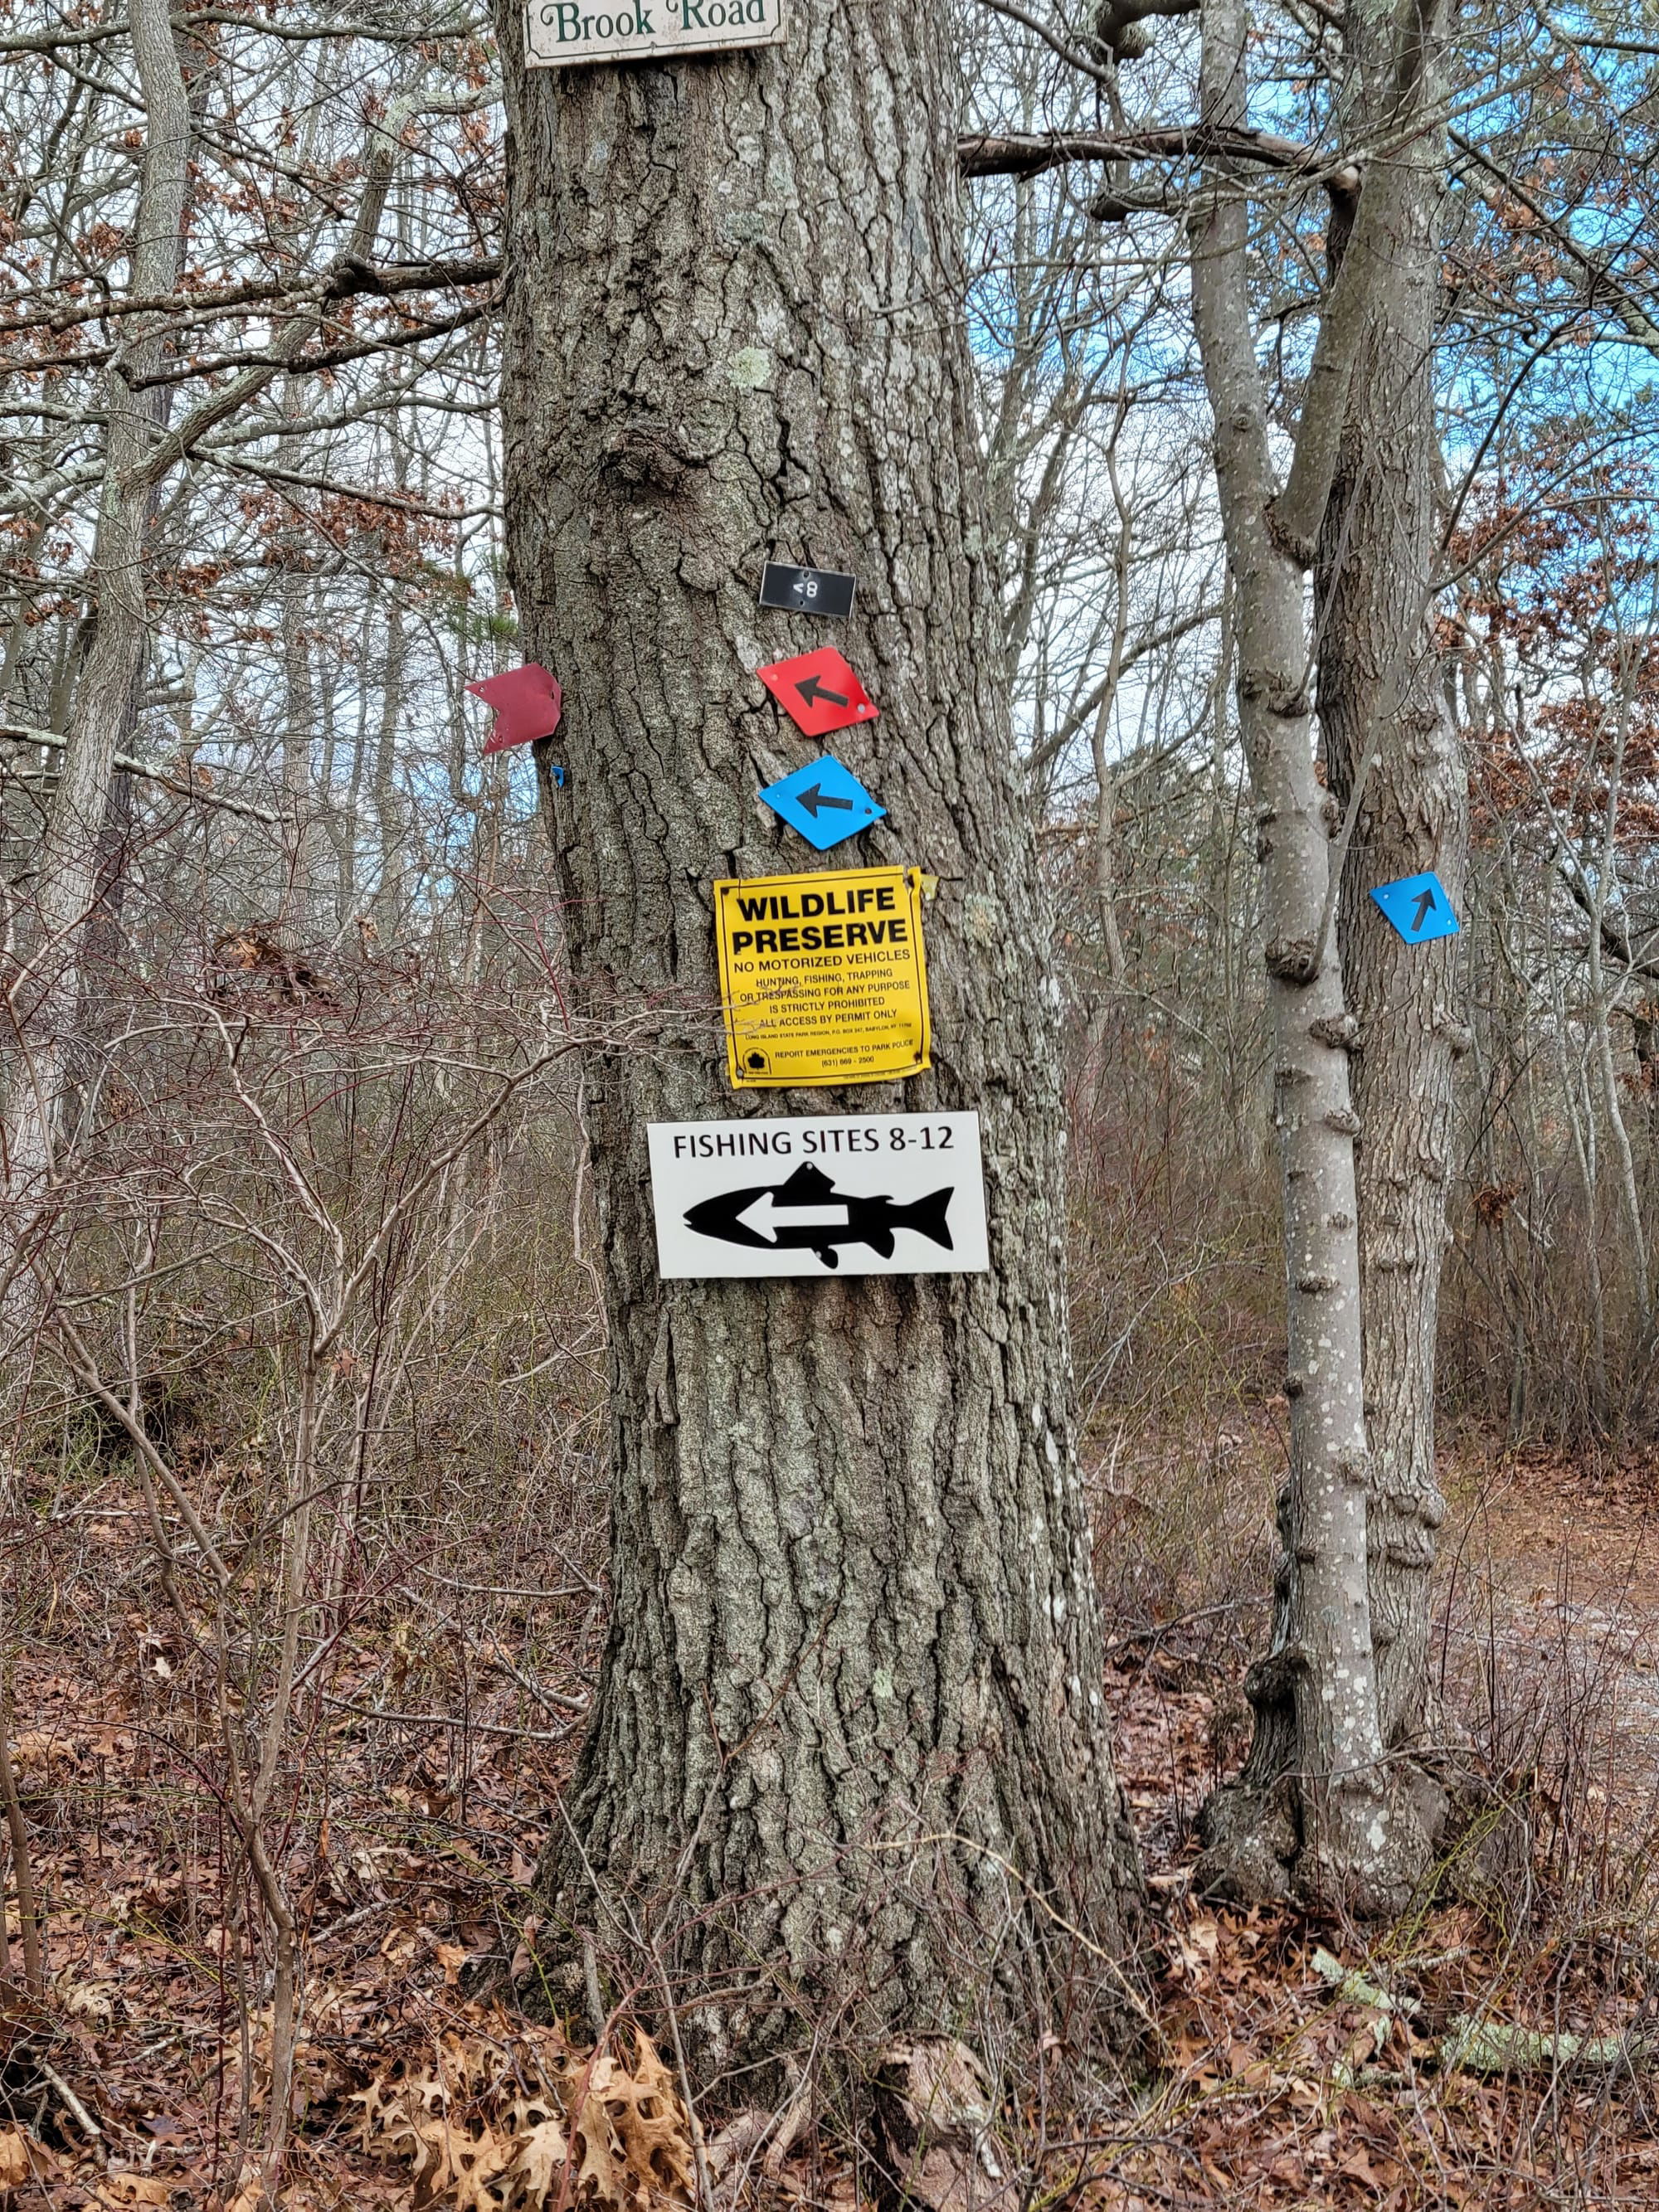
x=1028 y=153
x=1299 y=509
x=1599 y=281
x=58 y=39
x=348 y=275
x=21 y=733
x=399 y=502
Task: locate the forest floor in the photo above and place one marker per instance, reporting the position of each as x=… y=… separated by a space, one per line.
x=429 y=1765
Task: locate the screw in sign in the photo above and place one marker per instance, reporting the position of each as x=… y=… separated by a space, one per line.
x=818 y=691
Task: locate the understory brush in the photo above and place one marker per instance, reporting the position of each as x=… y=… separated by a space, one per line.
x=304 y=1547
x=1494 y=2048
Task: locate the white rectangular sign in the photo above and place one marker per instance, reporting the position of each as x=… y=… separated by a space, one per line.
x=565 y=31
x=827 y=1194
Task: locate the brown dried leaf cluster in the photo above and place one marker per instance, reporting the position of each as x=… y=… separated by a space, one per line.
x=497 y=2118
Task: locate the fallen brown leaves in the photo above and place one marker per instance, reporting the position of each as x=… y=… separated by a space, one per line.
x=414 y=1829
x=496 y=2117
x=409 y=1843
x=1278 y=2091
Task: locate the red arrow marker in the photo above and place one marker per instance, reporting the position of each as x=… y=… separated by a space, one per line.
x=528 y=703
x=818 y=691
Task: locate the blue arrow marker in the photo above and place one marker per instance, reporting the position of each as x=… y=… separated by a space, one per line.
x=824 y=802
x=1419 y=908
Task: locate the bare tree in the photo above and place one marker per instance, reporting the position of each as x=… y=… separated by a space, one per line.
x=1316 y=1790
x=66 y=881
x=1397 y=770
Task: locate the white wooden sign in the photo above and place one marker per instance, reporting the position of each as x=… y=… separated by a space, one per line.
x=836 y=1193
x=565 y=31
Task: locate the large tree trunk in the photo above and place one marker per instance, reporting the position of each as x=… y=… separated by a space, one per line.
x=1314 y=1796
x=849 y=1738
x=1381 y=679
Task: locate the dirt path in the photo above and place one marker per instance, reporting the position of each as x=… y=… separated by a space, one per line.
x=1551 y=1588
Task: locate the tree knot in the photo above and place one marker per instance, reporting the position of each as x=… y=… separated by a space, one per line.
x=1276 y=695
x=1272 y=1682
x=1294 y=544
x=1458 y=1036
x=1292 y=959
x=1339 y=1031
x=643 y=455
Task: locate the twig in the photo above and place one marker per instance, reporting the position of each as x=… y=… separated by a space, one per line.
x=83 y=2118
x=28 y=1917
x=1155 y=1630
x=450 y=1721
x=22 y=733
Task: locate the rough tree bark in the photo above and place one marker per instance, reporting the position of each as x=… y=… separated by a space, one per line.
x=1316 y=1806
x=1381 y=679
x=849 y=1740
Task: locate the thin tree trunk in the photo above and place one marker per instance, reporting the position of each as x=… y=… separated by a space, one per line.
x=296 y=893
x=849 y=1738
x=388 y=903
x=1105 y=781
x=1380 y=688
x=1602 y=997
x=1313 y=1792
x=66 y=885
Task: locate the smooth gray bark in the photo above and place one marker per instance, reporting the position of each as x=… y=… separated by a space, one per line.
x=1315 y=1791
x=1381 y=683
x=849 y=1742
x=66 y=882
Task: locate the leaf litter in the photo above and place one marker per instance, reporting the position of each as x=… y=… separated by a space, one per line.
x=1298 y=2065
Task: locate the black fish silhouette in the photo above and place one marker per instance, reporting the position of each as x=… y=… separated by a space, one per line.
x=760 y=1217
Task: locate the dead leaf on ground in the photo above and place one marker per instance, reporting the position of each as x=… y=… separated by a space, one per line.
x=459 y=2116
x=127 y=2189
x=15 y=2166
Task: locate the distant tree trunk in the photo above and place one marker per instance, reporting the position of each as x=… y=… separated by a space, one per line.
x=849 y=1738
x=296 y=900
x=1379 y=677
x=1315 y=1806
x=388 y=800
x=67 y=882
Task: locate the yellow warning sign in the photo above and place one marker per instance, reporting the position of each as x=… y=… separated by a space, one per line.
x=823 y=977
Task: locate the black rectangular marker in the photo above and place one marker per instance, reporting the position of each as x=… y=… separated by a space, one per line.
x=807 y=591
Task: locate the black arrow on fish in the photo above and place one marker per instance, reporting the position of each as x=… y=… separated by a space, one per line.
x=1424 y=909
x=815 y=796
x=811 y=689
x=807 y=1214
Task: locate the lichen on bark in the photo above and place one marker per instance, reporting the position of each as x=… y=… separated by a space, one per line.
x=850 y=1745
